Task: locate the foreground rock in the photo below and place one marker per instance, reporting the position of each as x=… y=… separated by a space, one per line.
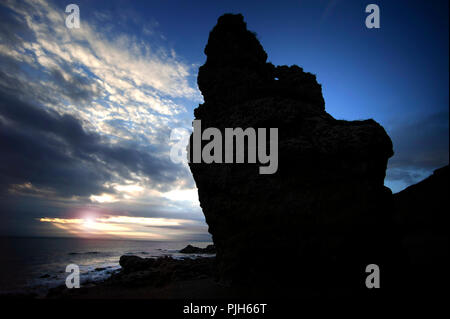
x=144 y=277
x=189 y=249
x=422 y=206
x=135 y=263
x=325 y=208
x=421 y=215
x=160 y=278
x=138 y=271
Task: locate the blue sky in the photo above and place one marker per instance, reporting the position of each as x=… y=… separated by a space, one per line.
x=86 y=114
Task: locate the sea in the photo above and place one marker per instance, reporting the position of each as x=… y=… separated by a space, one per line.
x=33 y=265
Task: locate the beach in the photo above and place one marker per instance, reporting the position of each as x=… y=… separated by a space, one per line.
x=33 y=265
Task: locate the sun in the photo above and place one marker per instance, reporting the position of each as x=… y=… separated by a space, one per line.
x=89 y=223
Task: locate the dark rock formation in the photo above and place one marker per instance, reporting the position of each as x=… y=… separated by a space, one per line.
x=189 y=249
x=324 y=211
x=139 y=271
x=135 y=263
x=420 y=206
x=143 y=277
x=421 y=215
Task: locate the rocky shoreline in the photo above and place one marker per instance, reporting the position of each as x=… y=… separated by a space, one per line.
x=151 y=277
x=423 y=250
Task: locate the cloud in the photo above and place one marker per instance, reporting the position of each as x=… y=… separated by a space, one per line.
x=86 y=114
x=423 y=143
x=54 y=152
x=420 y=147
x=121 y=76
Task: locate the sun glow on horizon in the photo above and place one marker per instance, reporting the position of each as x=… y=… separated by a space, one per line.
x=111 y=226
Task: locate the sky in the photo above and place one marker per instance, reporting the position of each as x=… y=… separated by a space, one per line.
x=86 y=114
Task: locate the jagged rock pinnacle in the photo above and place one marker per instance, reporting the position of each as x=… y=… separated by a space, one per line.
x=325 y=204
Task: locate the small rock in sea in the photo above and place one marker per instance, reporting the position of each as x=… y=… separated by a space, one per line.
x=135 y=263
x=189 y=249
x=45 y=276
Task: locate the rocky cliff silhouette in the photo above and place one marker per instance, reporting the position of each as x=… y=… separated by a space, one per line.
x=325 y=214
x=421 y=220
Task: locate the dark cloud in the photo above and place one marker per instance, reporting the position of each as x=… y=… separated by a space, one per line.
x=406 y=176
x=77 y=88
x=13 y=30
x=53 y=152
x=420 y=146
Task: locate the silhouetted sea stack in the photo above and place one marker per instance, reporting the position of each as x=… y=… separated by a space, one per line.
x=323 y=216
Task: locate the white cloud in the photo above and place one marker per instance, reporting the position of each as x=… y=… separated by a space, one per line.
x=134 y=80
